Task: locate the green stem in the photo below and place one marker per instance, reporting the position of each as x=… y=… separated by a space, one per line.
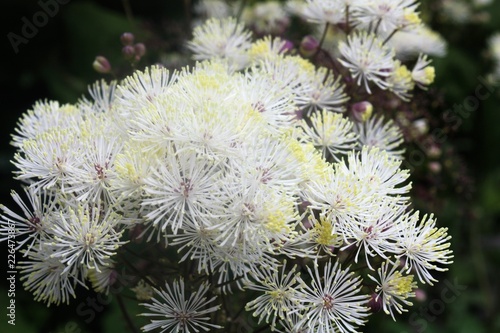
x=125 y=314
x=322 y=40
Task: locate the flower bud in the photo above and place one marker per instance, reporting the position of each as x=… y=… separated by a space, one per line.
x=435 y=167
x=101 y=65
x=128 y=52
x=420 y=295
x=308 y=46
x=140 y=49
x=127 y=38
x=375 y=303
x=287 y=46
x=362 y=111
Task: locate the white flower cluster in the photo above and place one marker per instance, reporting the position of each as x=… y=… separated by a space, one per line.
x=238 y=162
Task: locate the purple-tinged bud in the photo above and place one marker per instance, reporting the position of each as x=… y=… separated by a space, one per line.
x=308 y=46
x=287 y=46
x=375 y=303
x=101 y=65
x=420 y=295
x=127 y=38
x=128 y=52
x=362 y=111
x=113 y=277
x=435 y=167
x=140 y=49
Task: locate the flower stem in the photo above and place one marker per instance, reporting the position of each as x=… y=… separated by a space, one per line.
x=125 y=314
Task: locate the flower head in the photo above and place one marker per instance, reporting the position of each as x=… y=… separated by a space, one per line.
x=393 y=288
x=180 y=311
x=221 y=39
x=368 y=59
x=332 y=301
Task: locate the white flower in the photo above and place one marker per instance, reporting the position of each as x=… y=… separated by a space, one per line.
x=45 y=116
x=422 y=73
x=99 y=148
x=50 y=160
x=324 y=11
x=86 y=237
x=332 y=302
x=378 y=171
x=376 y=235
x=180 y=311
x=221 y=39
x=401 y=82
x=409 y=44
x=139 y=90
x=423 y=246
x=383 y=135
x=327 y=93
x=278 y=293
x=368 y=59
x=35 y=222
x=182 y=185
x=393 y=288
x=385 y=16
x=103 y=97
x=267 y=17
x=47 y=277
x=267 y=47
x=292 y=73
x=213 y=8
x=103 y=280
x=331 y=132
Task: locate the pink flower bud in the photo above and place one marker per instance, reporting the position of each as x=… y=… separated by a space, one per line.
x=128 y=51
x=362 y=111
x=308 y=46
x=375 y=303
x=140 y=49
x=127 y=38
x=101 y=65
x=288 y=46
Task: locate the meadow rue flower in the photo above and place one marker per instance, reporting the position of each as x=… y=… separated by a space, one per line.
x=410 y=43
x=32 y=227
x=268 y=17
x=401 y=81
x=385 y=16
x=221 y=39
x=47 y=277
x=324 y=11
x=330 y=132
x=279 y=289
x=423 y=246
x=86 y=238
x=376 y=132
x=422 y=73
x=232 y=165
x=368 y=59
x=332 y=301
x=174 y=309
x=213 y=8
x=326 y=93
x=393 y=288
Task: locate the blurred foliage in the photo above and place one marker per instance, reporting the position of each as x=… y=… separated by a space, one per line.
x=57 y=64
